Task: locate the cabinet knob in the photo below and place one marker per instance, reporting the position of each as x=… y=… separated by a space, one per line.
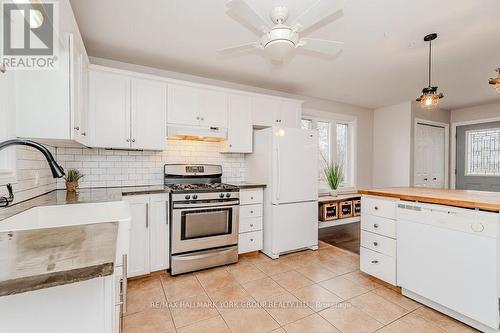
x=251 y=225
x=376 y=207
x=202 y=118
x=77 y=128
x=251 y=212
x=128 y=140
x=197 y=118
x=84 y=133
x=3 y=69
x=375 y=243
x=374 y=261
x=133 y=140
x=375 y=225
x=251 y=239
x=251 y=198
x=230 y=145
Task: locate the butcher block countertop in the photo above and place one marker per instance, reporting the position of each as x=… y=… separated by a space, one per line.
x=42 y=258
x=489 y=201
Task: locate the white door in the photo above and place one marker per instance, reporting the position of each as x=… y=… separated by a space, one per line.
x=159 y=232
x=43 y=99
x=183 y=105
x=110 y=110
x=430 y=153
x=295 y=165
x=295 y=226
x=213 y=108
x=139 y=260
x=289 y=114
x=264 y=111
x=240 y=125
x=149 y=111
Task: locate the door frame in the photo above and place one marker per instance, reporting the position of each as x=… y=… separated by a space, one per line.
x=454 y=126
x=446 y=147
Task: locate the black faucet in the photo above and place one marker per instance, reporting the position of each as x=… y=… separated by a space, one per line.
x=57 y=170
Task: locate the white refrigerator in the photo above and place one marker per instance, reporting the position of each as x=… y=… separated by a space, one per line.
x=286 y=160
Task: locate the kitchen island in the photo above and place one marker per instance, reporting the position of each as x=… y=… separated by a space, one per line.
x=440 y=246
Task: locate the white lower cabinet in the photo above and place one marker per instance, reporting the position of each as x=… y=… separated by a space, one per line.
x=251 y=220
x=378 y=238
x=149 y=235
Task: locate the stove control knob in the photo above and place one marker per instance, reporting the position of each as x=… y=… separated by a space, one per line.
x=228 y=195
x=221 y=195
x=187 y=197
x=195 y=196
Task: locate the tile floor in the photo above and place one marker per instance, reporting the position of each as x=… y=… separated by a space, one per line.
x=310 y=291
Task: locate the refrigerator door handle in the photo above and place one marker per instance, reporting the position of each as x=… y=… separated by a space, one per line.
x=278 y=168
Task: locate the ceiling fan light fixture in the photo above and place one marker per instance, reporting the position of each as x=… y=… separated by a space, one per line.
x=496 y=81
x=430 y=97
x=279 y=49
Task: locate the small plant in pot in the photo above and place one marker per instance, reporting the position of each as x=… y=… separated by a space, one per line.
x=72 y=177
x=334 y=174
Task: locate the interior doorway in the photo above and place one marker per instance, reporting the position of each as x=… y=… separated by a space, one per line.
x=478 y=157
x=431 y=154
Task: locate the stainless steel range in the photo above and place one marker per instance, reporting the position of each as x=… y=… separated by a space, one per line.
x=204 y=217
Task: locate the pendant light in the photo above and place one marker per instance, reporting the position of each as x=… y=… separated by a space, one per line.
x=430 y=98
x=496 y=81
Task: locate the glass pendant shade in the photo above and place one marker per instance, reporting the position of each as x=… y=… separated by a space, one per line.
x=496 y=81
x=429 y=101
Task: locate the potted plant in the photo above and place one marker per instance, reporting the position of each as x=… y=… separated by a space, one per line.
x=72 y=177
x=334 y=174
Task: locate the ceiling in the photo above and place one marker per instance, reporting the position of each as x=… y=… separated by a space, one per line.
x=383 y=62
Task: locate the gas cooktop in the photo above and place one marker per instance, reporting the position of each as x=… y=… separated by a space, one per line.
x=205 y=187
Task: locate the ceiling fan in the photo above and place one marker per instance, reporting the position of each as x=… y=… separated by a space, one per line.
x=280 y=40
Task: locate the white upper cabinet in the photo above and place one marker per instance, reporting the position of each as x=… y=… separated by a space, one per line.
x=149 y=109
x=127 y=113
x=194 y=106
x=183 y=105
x=7 y=127
x=79 y=74
x=239 y=136
x=110 y=110
x=213 y=108
x=267 y=111
x=264 y=111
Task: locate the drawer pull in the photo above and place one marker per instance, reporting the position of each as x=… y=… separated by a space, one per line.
x=375 y=243
x=251 y=239
x=251 y=198
x=374 y=261
x=376 y=207
x=375 y=225
x=251 y=225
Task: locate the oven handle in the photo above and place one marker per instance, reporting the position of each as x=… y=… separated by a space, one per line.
x=205 y=204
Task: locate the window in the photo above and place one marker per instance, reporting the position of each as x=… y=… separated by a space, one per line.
x=483 y=152
x=334 y=146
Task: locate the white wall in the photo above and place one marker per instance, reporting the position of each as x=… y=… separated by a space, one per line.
x=392 y=145
x=487 y=111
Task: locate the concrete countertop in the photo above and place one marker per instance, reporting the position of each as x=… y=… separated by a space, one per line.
x=247 y=185
x=43 y=258
x=489 y=201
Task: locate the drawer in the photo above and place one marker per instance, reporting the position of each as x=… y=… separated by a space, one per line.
x=250 y=224
x=250 y=211
x=378 y=265
x=250 y=241
x=378 y=225
x=379 y=206
x=378 y=243
x=250 y=197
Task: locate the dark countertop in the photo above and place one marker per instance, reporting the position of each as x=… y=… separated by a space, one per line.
x=246 y=185
x=43 y=258
x=87 y=195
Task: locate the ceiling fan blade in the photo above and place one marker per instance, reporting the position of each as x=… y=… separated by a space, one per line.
x=318 y=12
x=242 y=10
x=328 y=47
x=239 y=48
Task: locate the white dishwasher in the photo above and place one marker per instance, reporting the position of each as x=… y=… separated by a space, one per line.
x=448 y=258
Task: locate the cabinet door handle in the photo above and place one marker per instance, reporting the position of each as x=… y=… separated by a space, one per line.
x=128 y=140
x=3 y=69
x=251 y=239
x=84 y=133
x=375 y=243
x=374 y=261
x=251 y=198
x=376 y=207
x=133 y=140
x=230 y=145
x=76 y=128
x=125 y=283
x=375 y=225
x=202 y=118
x=147 y=215
x=197 y=118
x=251 y=212
x=167 y=210
x=251 y=225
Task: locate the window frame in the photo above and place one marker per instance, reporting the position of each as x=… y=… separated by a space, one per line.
x=350 y=177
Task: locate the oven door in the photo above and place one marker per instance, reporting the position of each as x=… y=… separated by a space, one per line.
x=200 y=226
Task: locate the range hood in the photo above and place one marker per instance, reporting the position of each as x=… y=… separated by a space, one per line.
x=198 y=133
